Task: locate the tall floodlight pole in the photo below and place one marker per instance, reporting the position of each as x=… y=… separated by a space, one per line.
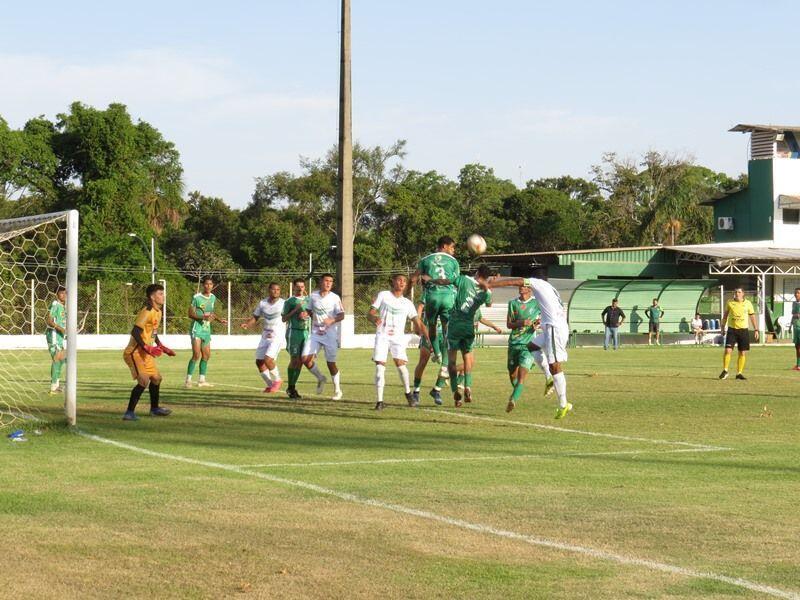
x=344 y=252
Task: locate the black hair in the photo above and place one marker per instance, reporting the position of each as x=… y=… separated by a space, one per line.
x=271 y=283
x=483 y=271
x=615 y=300
x=324 y=275
x=207 y=278
x=60 y=289
x=149 y=291
x=298 y=280
x=445 y=240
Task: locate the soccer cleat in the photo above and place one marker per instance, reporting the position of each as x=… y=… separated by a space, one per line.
x=437 y=397
x=160 y=412
x=741 y=377
x=796 y=368
x=337 y=395
x=415 y=393
x=562 y=412
x=549 y=386
x=293 y=394
x=510 y=406
x=205 y=384
x=276 y=386
x=723 y=375
x=467 y=394
x=379 y=406
x=411 y=401
x=188 y=384
x=56 y=392
x=457 y=399
x=321 y=385
x=266 y=389
x=130 y=416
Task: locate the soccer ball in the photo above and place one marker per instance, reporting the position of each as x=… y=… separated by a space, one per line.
x=476 y=244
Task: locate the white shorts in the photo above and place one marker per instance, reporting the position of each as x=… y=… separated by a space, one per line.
x=396 y=344
x=270 y=345
x=553 y=342
x=315 y=343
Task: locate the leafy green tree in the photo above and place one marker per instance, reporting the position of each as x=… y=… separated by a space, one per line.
x=481 y=196
x=544 y=219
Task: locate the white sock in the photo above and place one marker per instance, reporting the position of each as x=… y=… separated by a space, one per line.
x=188 y=379
x=560 y=383
x=274 y=374
x=336 y=381
x=538 y=358
x=201 y=379
x=380 y=380
x=265 y=377
x=316 y=372
x=403 y=370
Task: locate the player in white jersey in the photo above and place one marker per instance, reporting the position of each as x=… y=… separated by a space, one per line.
x=551 y=344
x=273 y=336
x=389 y=313
x=326 y=312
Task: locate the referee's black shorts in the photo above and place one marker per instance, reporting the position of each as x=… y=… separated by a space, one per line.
x=738 y=337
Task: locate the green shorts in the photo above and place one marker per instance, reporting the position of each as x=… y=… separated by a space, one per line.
x=461 y=336
x=55 y=342
x=796 y=334
x=438 y=306
x=203 y=336
x=519 y=356
x=295 y=341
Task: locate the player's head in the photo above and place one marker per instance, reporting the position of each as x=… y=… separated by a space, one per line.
x=614 y=302
x=399 y=282
x=208 y=284
x=483 y=273
x=524 y=292
x=797 y=294
x=326 y=282
x=154 y=295
x=446 y=244
x=299 y=287
x=738 y=294
x=61 y=293
x=274 y=290
x=696 y=315
x=655 y=301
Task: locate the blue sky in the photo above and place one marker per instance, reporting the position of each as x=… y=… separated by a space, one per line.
x=532 y=89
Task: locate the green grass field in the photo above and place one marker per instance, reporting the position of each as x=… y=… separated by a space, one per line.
x=244 y=494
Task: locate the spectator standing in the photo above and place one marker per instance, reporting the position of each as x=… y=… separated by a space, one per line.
x=654 y=314
x=697 y=329
x=612 y=316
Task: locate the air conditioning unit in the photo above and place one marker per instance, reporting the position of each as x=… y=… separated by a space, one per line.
x=725 y=223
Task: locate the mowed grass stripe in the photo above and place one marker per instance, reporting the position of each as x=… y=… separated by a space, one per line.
x=475 y=527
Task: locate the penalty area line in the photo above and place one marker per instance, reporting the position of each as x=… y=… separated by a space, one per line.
x=554 y=455
x=466 y=525
x=611 y=436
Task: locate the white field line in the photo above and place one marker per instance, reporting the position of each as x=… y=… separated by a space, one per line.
x=475 y=527
x=391 y=461
x=611 y=436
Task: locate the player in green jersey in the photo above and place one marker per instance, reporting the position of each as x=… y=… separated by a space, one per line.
x=522 y=319
x=438 y=272
x=471 y=294
x=295 y=314
x=56 y=329
x=477 y=320
x=201 y=312
x=425 y=352
x=796 y=327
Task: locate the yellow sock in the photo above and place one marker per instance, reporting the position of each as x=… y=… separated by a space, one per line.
x=726 y=361
x=740 y=363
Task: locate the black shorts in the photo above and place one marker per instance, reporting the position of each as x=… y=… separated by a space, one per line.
x=654 y=327
x=739 y=338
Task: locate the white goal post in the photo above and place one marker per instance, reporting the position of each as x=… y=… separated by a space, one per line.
x=37 y=252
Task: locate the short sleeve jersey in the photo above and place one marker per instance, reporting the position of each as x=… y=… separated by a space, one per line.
x=469 y=298
x=203 y=305
x=795 y=312
x=295 y=322
x=58 y=313
x=519 y=310
x=550 y=303
x=148 y=320
x=324 y=307
x=738 y=313
x=439 y=265
x=654 y=313
x=271 y=313
x=394 y=312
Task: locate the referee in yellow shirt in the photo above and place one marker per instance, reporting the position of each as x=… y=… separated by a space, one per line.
x=735 y=321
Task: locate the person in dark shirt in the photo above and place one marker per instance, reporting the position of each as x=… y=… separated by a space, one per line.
x=613 y=316
x=654 y=314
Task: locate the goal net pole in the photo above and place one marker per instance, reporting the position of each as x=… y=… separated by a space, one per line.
x=71 y=383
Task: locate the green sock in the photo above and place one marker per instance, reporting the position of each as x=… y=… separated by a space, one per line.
x=798 y=361
x=294 y=375
x=468 y=380
x=515 y=395
x=440 y=382
x=453 y=384
x=460 y=380
x=190 y=368
x=445 y=355
x=54 y=371
x=203 y=366
x=417 y=384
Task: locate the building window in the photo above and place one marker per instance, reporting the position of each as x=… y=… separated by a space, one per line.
x=791 y=216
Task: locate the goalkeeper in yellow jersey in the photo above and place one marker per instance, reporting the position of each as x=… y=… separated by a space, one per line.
x=141 y=352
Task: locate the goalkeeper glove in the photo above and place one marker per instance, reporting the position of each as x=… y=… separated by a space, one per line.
x=152 y=350
x=165 y=350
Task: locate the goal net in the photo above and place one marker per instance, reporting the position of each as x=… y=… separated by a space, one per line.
x=38 y=254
